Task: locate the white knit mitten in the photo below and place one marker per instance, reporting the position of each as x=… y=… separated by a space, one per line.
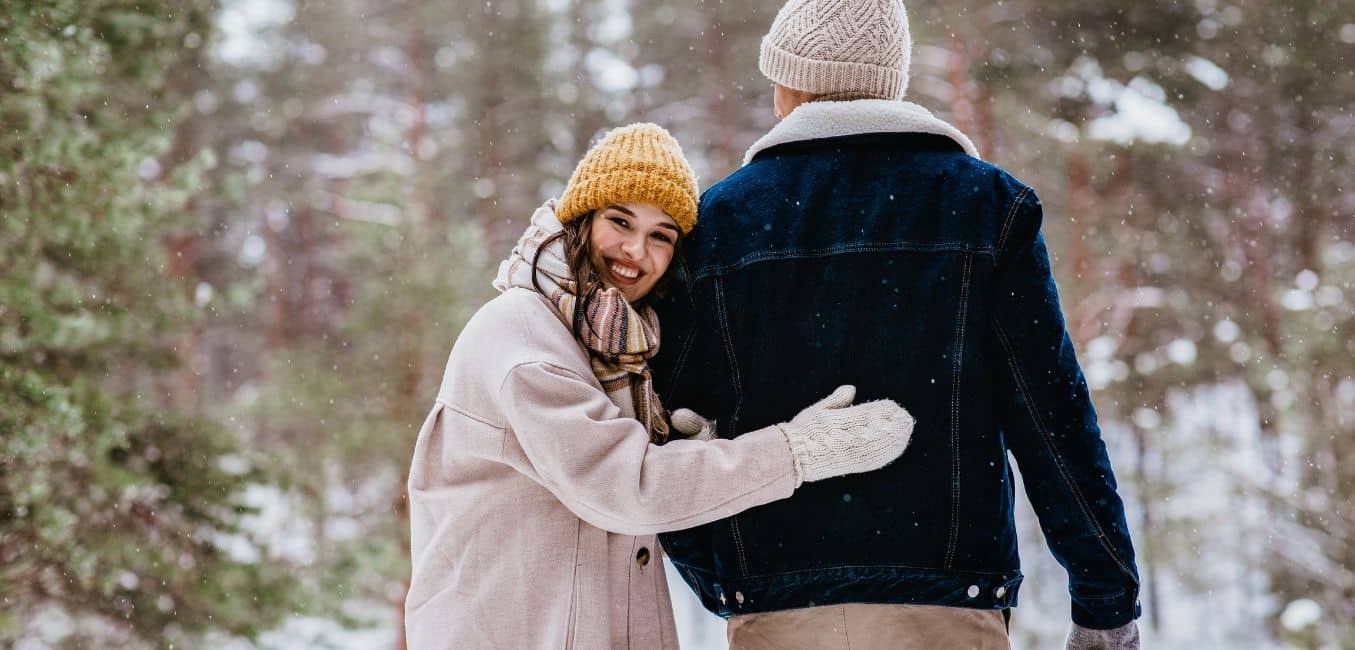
x=832 y=438
x=692 y=426
x=1125 y=637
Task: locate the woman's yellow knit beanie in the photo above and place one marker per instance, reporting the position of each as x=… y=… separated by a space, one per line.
x=638 y=163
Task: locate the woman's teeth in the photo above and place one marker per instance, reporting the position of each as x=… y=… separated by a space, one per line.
x=629 y=274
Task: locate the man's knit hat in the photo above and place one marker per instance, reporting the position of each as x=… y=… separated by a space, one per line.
x=856 y=48
x=639 y=163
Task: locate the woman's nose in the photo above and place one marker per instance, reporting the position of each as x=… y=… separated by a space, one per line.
x=634 y=247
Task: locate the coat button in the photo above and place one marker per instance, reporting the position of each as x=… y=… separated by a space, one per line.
x=973 y=591
x=1001 y=591
x=738 y=597
x=642 y=558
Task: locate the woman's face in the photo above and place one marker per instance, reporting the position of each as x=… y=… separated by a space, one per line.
x=631 y=246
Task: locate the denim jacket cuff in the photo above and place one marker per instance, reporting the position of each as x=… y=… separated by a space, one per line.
x=1106 y=611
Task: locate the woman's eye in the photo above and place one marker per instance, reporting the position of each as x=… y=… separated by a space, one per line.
x=663 y=238
x=619 y=221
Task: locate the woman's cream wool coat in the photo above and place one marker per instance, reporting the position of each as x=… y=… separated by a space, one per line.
x=535 y=496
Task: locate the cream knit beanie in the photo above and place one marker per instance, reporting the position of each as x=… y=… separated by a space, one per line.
x=857 y=48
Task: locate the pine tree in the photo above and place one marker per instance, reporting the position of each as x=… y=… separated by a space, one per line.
x=119 y=514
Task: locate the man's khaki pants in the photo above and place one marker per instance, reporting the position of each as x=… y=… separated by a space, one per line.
x=869 y=627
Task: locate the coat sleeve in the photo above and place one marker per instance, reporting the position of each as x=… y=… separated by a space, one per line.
x=1050 y=425
x=601 y=465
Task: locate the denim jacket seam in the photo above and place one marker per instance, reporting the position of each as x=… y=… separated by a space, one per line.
x=738 y=544
x=1020 y=380
x=1106 y=597
x=1008 y=220
x=720 y=309
x=1007 y=576
x=680 y=364
x=839 y=249
x=692 y=579
x=728 y=339
x=957 y=374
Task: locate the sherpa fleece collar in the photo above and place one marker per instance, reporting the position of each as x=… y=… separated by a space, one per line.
x=825 y=119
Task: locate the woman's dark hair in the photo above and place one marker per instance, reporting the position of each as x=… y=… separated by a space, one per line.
x=576 y=235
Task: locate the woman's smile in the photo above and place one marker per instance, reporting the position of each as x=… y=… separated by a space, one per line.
x=622 y=272
x=631 y=246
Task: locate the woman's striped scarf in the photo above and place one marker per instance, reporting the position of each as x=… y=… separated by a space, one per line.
x=619 y=338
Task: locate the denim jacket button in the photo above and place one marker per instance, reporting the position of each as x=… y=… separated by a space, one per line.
x=1001 y=591
x=973 y=591
x=738 y=597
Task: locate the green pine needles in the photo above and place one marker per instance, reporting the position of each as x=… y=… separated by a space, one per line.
x=115 y=506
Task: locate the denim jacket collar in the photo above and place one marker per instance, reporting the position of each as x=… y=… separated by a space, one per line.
x=827 y=119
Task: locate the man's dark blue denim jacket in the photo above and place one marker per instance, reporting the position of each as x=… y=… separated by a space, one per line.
x=897 y=263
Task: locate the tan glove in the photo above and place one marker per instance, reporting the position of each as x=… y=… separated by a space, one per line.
x=831 y=437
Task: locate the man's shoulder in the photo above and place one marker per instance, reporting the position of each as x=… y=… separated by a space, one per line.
x=769 y=178
x=745 y=181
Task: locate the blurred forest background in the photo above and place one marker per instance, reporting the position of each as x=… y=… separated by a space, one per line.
x=239 y=237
